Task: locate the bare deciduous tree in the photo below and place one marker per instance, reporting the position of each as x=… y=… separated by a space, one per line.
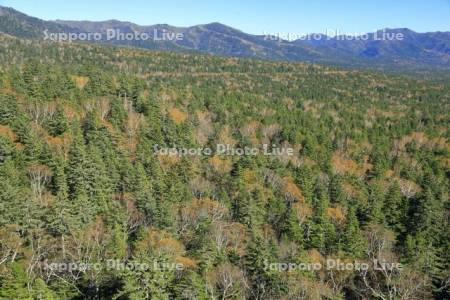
x=133 y=122
x=104 y=107
x=39 y=175
x=10 y=243
x=41 y=110
x=228 y=280
x=385 y=281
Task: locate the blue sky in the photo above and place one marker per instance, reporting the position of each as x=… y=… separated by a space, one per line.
x=252 y=16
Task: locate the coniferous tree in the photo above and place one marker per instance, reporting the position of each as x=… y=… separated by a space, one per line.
x=376 y=202
x=323 y=233
x=394 y=208
x=76 y=167
x=58 y=124
x=306 y=181
x=353 y=240
x=264 y=282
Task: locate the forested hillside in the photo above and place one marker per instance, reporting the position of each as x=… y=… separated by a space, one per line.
x=424 y=54
x=85 y=200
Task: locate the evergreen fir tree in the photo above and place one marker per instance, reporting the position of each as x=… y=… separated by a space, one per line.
x=394 y=208
x=353 y=240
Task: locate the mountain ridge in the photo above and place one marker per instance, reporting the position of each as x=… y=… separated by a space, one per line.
x=417 y=51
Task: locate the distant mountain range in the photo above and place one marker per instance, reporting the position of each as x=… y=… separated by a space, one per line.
x=414 y=52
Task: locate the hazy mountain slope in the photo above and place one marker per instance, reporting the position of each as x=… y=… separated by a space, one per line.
x=18 y=24
x=417 y=51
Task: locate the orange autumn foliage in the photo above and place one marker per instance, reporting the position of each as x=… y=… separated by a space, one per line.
x=186 y=261
x=315 y=256
x=220 y=165
x=80 y=81
x=249 y=176
x=302 y=211
x=291 y=191
x=344 y=165
x=60 y=144
x=336 y=214
x=160 y=242
x=250 y=129
x=7 y=132
x=177 y=115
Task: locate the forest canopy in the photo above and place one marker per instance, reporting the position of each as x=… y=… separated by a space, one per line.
x=88 y=211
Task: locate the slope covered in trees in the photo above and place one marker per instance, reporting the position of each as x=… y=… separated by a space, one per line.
x=398 y=50
x=85 y=201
